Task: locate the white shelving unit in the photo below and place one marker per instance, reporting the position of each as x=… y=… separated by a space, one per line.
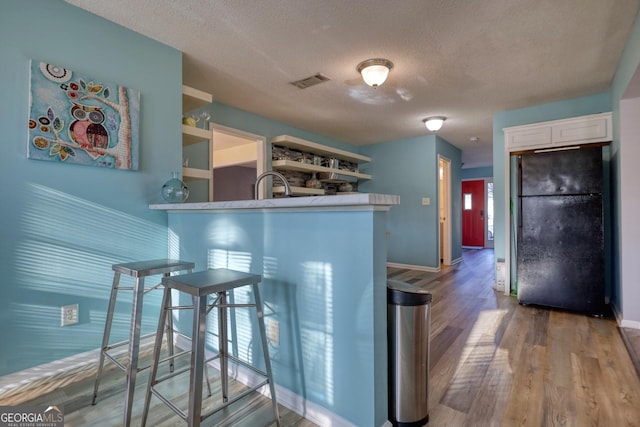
x=300 y=191
x=192 y=99
x=292 y=165
x=315 y=148
x=319 y=149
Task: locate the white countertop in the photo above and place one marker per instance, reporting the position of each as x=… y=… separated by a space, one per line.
x=342 y=202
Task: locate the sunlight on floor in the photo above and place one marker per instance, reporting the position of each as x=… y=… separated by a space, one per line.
x=478 y=353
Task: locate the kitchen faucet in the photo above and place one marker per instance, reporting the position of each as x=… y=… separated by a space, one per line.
x=287 y=187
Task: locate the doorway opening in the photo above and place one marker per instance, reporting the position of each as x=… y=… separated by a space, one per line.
x=238 y=158
x=444 y=202
x=488 y=232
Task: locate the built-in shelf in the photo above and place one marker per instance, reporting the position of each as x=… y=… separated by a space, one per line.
x=312 y=147
x=309 y=168
x=192 y=99
x=190 y=174
x=193 y=135
x=327 y=175
x=299 y=191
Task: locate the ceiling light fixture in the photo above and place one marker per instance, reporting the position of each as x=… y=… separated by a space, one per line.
x=375 y=71
x=434 y=123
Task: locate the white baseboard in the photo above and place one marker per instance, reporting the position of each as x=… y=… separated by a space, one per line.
x=311 y=411
x=27 y=384
x=456 y=261
x=631 y=324
x=414 y=267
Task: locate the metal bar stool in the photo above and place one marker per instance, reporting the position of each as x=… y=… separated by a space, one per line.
x=139 y=270
x=200 y=285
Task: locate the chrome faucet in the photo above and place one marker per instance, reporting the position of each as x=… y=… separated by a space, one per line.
x=287 y=187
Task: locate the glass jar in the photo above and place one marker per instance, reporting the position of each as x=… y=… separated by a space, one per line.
x=313 y=182
x=174 y=190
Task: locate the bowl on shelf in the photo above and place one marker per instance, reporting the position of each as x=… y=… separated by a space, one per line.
x=345 y=187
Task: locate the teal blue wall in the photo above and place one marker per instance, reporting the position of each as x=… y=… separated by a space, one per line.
x=409 y=168
x=475 y=173
x=64 y=225
x=329 y=298
x=238 y=119
x=629 y=307
x=593 y=104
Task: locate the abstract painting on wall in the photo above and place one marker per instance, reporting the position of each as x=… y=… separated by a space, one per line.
x=78 y=119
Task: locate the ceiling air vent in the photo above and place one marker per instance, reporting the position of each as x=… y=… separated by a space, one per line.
x=310 y=81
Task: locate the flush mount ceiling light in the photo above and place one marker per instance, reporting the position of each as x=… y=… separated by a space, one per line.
x=375 y=71
x=434 y=123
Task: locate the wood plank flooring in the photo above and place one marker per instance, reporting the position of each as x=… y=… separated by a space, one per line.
x=497 y=363
x=631 y=338
x=493 y=363
x=252 y=411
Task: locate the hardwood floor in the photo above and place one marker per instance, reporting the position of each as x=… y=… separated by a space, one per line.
x=631 y=338
x=497 y=363
x=252 y=411
x=493 y=363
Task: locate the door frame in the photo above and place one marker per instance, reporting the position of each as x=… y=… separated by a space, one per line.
x=489 y=243
x=261 y=147
x=444 y=201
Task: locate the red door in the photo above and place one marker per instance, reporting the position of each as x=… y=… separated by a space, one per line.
x=473 y=213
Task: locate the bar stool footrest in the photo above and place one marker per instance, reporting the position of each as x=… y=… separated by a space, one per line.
x=234 y=399
x=169 y=403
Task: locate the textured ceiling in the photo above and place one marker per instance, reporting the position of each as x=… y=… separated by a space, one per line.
x=465 y=60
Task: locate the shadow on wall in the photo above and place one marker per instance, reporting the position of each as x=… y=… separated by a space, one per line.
x=63 y=257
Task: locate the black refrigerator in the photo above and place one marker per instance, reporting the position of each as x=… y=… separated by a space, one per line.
x=560 y=232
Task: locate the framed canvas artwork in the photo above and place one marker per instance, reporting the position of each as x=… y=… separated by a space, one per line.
x=77 y=119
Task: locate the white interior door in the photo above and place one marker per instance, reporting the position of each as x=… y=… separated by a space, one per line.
x=444 y=203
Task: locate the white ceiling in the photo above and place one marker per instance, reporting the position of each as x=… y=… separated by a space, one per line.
x=465 y=60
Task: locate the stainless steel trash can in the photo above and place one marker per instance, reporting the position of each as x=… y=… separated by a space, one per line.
x=408 y=334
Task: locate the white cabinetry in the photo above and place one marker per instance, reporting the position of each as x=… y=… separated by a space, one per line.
x=192 y=99
x=590 y=129
x=559 y=133
x=528 y=137
x=331 y=174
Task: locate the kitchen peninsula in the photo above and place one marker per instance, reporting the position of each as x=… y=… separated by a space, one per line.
x=323 y=263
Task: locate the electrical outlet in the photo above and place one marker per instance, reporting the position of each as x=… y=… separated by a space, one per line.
x=273 y=331
x=69 y=315
x=426 y=201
